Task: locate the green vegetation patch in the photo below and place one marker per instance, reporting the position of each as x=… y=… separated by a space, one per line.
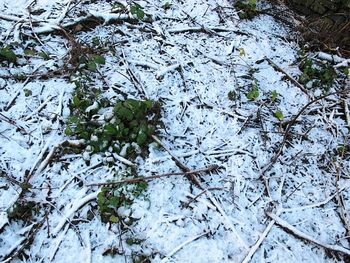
x=123 y=127
x=247 y=9
x=316 y=75
x=113 y=197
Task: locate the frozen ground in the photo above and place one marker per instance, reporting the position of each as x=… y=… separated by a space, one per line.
x=280 y=192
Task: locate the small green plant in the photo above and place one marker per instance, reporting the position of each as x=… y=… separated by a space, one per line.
x=316 y=74
x=273 y=95
x=44 y=55
x=253 y=93
x=278 y=114
x=124 y=128
x=247 y=8
x=7 y=54
x=137 y=10
x=27 y=92
x=113 y=197
x=166 y=5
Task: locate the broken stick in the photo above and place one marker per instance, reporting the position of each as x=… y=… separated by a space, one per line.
x=148 y=178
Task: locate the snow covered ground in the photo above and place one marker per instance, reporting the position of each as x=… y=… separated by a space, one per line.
x=280 y=192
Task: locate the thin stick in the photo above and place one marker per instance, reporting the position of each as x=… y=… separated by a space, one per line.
x=182 y=166
x=57 y=243
x=45 y=162
x=198 y=29
x=137 y=83
x=25 y=242
x=148 y=178
x=41 y=106
x=161 y=72
x=194 y=180
x=343 y=212
x=75 y=206
x=278 y=68
x=123 y=160
x=304 y=236
x=289 y=126
x=315 y=204
x=12 y=122
x=166 y=259
x=255 y=247
x=10 y=103
x=346 y=110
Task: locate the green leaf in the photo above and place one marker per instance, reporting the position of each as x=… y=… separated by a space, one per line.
x=252 y=4
x=109 y=130
x=99 y=59
x=137 y=10
x=274 y=95
x=151 y=129
x=132 y=104
x=44 y=55
x=114 y=201
x=7 y=54
x=166 y=5
x=125 y=132
x=95 y=41
x=73 y=119
x=253 y=93
x=76 y=101
x=29 y=52
x=92 y=65
x=279 y=115
x=141 y=138
x=148 y=104
x=68 y=131
x=125 y=114
x=129 y=241
x=113 y=219
x=27 y=92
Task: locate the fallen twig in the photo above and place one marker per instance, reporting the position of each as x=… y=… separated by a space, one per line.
x=148 y=178
x=327 y=200
x=57 y=243
x=183 y=167
x=137 y=83
x=10 y=103
x=24 y=242
x=346 y=111
x=340 y=199
x=45 y=162
x=161 y=72
x=41 y=106
x=289 y=126
x=200 y=29
x=306 y=237
x=196 y=182
x=166 y=259
x=257 y=244
x=300 y=86
x=12 y=122
x=75 y=206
